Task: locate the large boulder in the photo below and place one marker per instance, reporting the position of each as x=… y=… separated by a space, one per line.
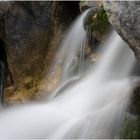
x=30 y=33
x=125 y=17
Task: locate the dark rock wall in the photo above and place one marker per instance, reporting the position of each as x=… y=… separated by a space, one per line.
x=31 y=32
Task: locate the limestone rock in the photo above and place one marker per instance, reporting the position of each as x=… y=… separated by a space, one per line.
x=125 y=17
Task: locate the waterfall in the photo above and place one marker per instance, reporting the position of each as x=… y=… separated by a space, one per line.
x=91 y=107
x=73 y=43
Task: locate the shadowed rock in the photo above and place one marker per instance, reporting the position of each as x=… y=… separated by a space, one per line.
x=31 y=32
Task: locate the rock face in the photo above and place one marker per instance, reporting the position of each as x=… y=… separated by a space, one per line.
x=90 y=4
x=125 y=17
x=31 y=31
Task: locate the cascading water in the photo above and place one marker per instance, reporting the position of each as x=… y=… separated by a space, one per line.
x=92 y=107
x=73 y=43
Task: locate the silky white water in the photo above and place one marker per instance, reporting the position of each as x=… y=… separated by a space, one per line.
x=93 y=106
x=73 y=43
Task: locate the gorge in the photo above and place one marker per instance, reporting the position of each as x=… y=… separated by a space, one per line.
x=78 y=84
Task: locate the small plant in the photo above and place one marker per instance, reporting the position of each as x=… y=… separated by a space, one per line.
x=96 y=20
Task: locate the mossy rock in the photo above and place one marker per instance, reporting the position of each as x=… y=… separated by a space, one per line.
x=131 y=127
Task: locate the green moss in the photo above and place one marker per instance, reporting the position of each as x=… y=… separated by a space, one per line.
x=96 y=20
x=81 y=2
x=131 y=128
